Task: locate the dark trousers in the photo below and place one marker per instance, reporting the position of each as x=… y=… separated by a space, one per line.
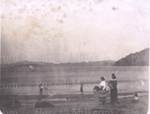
x=114 y=95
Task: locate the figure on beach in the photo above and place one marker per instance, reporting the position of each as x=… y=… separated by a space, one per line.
x=81 y=88
x=41 y=89
x=46 y=88
x=102 y=84
x=100 y=91
x=113 y=89
x=136 y=98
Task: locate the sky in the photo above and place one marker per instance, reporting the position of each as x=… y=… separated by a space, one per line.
x=61 y=31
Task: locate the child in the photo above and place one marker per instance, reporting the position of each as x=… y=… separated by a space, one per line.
x=136 y=98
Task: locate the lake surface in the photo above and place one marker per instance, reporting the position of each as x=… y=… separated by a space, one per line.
x=67 y=80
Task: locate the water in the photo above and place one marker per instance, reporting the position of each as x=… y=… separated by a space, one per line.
x=67 y=80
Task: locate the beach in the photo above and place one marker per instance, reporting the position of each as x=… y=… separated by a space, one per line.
x=80 y=104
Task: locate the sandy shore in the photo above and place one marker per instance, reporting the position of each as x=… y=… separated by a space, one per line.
x=81 y=104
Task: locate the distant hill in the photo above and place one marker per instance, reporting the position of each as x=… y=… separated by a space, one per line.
x=135 y=59
x=43 y=66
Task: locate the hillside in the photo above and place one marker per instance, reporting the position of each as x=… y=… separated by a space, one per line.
x=43 y=66
x=135 y=59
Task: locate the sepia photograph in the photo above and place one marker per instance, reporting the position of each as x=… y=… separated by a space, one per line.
x=74 y=56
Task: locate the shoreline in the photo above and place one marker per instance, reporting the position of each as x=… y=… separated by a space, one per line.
x=69 y=96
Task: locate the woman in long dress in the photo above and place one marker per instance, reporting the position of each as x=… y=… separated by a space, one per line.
x=113 y=89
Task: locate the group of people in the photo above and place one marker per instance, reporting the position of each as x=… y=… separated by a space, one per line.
x=113 y=88
x=102 y=86
x=102 y=90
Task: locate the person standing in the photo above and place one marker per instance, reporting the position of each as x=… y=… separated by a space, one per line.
x=113 y=89
x=102 y=84
x=102 y=92
x=81 y=88
x=41 y=89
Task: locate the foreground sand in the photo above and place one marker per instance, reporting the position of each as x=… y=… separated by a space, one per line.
x=80 y=104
